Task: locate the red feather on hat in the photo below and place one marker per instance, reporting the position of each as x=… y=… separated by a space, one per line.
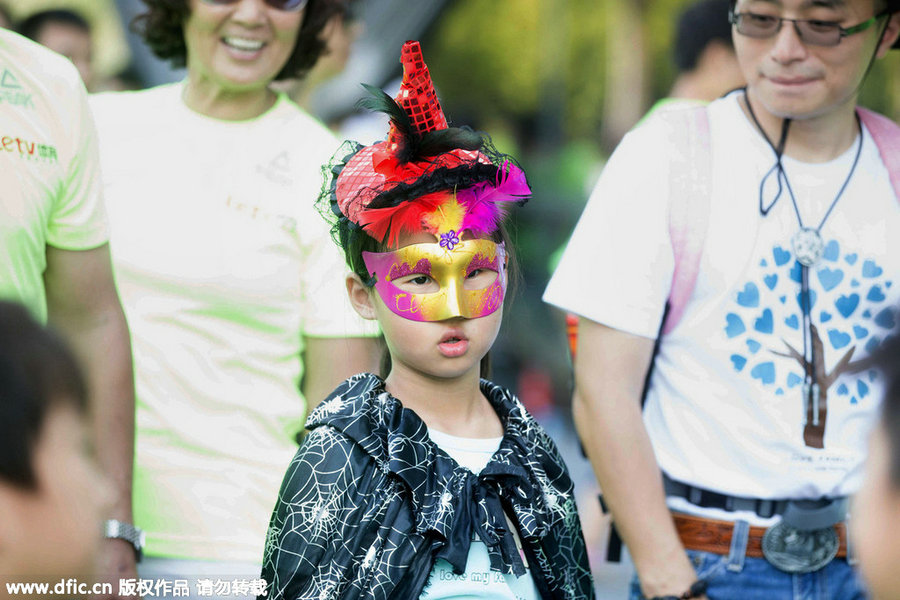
x=407 y=216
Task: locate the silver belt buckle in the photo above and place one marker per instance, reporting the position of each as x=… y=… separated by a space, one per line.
x=795 y=550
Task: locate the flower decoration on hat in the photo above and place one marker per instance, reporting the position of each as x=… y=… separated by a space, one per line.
x=425 y=175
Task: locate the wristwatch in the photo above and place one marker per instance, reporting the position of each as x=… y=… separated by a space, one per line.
x=128 y=532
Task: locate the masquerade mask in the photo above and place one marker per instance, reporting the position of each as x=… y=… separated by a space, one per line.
x=429 y=282
x=285 y=5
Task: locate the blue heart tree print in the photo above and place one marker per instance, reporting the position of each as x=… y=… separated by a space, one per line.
x=848 y=312
x=814 y=427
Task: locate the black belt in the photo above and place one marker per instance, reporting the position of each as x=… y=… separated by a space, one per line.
x=824 y=510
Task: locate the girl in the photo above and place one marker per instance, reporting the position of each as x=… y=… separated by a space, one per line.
x=429 y=483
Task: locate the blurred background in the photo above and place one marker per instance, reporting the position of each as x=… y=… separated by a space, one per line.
x=556 y=83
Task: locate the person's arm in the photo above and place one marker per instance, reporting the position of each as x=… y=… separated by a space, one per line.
x=610 y=368
x=82 y=303
x=329 y=361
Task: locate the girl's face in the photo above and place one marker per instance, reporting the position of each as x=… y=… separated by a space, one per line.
x=446 y=348
x=239 y=46
x=875 y=525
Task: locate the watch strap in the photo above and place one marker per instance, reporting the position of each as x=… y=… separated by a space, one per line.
x=115 y=529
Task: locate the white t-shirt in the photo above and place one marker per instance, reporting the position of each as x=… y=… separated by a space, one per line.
x=49 y=168
x=724 y=410
x=478 y=581
x=223 y=266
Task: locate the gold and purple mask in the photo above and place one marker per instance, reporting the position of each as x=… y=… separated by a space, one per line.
x=463 y=279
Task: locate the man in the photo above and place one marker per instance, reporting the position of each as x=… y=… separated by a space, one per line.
x=65 y=32
x=752 y=402
x=703 y=54
x=54 y=256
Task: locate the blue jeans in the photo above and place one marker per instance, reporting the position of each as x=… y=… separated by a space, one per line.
x=736 y=577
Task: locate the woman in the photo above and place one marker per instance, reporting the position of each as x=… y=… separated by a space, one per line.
x=233 y=291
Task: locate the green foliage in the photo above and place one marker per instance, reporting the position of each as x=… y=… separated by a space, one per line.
x=486 y=54
x=544 y=63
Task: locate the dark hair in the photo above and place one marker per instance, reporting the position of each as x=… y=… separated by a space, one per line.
x=698 y=26
x=32 y=26
x=887 y=360
x=37 y=373
x=162 y=27
x=349 y=10
x=892 y=6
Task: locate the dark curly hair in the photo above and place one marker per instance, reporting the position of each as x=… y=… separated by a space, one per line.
x=162 y=27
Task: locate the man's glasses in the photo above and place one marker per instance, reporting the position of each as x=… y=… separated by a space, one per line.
x=285 y=5
x=810 y=31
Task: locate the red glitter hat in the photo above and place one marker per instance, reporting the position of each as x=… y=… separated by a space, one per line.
x=417 y=96
x=426 y=175
x=376 y=169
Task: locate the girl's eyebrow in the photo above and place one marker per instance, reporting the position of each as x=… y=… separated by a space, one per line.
x=423 y=267
x=825 y=3
x=480 y=261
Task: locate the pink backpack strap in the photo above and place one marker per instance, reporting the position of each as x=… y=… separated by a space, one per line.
x=886 y=135
x=690 y=176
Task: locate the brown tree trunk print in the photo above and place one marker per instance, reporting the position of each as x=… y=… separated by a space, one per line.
x=814 y=434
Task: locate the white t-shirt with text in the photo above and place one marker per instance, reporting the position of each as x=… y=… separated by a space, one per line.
x=50 y=188
x=224 y=266
x=725 y=409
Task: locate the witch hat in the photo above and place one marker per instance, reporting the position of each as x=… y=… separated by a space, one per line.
x=426 y=175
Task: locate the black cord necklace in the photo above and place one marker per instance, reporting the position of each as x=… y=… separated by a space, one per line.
x=808 y=248
x=807 y=242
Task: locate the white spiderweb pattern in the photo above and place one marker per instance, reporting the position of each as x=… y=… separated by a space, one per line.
x=368 y=494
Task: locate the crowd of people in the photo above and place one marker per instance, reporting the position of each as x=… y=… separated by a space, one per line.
x=233 y=348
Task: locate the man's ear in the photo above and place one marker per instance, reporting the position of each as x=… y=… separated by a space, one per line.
x=360 y=297
x=890 y=35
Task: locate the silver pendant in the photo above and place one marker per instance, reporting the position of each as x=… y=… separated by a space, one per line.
x=794 y=550
x=808 y=246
